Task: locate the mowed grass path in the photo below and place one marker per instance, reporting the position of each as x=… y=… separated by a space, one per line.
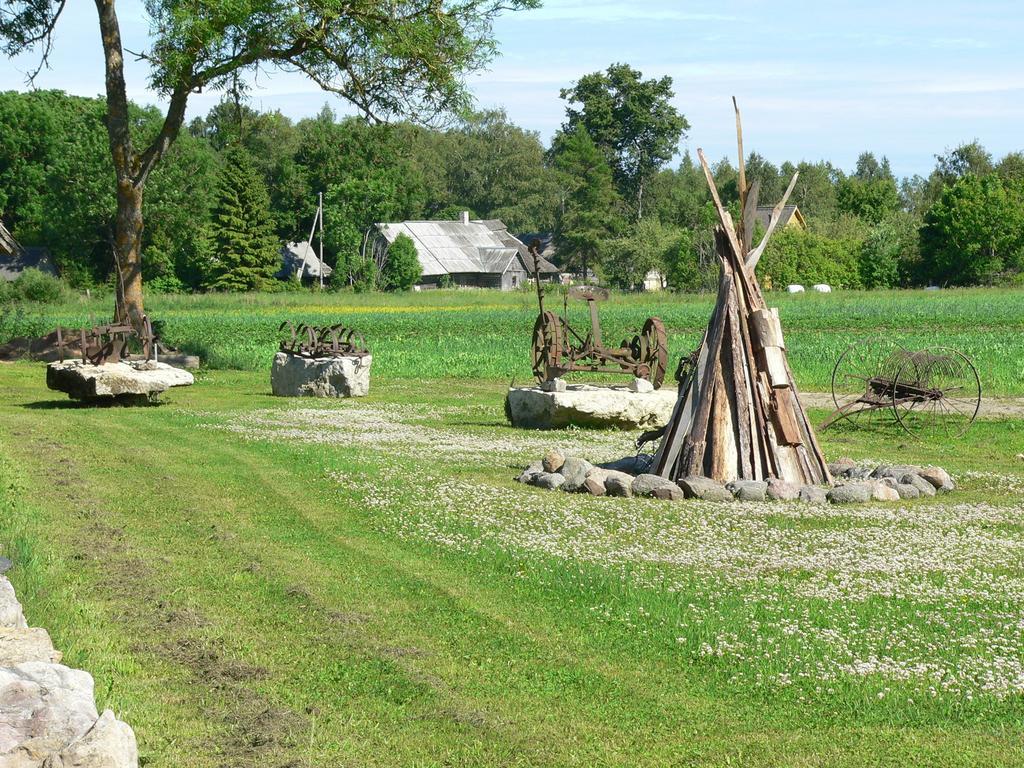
x=486 y=334
x=246 y=598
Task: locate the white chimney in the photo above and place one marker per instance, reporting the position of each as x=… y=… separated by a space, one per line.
x=464 y=217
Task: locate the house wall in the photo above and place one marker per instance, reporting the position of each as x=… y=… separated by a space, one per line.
x=507 y=281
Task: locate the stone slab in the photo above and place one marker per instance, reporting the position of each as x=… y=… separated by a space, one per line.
x=589 y=406
x=133 y=379
x=295 y=376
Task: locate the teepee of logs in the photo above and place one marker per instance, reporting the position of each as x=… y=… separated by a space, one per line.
x=738 y=415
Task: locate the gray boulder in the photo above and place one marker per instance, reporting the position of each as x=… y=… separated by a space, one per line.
x=594 y=486
x=575 y=472
x=782 y=490
x=748 y=490
x=646 y=485
x=841 y=466
x=548 y=480
x=813 y=494
x=851 y=493
x=895 y=471
x=696 y=487
x=907 y=491
x=634 y=465
x=938 y=477
x=670 y=492
x=922 y=485
x=296 y=376
x=536 y=468
x=619 y=484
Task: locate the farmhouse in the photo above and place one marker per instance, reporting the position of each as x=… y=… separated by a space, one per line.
x=478 y=253
x=790 y=217
x=14 y=259
x=301 y=260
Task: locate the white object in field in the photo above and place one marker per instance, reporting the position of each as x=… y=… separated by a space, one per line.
x=822 y=288
x=795 y=288
x=932 y=288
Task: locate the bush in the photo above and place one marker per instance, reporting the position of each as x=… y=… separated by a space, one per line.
x=795 y=256
x=402 y=270
x=39 y=286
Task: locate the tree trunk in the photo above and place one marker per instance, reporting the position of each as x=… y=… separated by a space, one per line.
x=128 y=254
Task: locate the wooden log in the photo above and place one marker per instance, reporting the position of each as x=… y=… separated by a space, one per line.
x=775 y=366
x=755 y=255
x=738 y=385
x=670 y=449
x=699 y=425
x=786 y=423
x=720 y=452
x=820 y=462
x=749 y=218
x=766 y=329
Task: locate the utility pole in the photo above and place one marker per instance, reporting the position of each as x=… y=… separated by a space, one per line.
x=320 y=213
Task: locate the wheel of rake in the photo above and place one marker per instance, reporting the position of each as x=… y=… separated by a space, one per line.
x=547 y=345
x=862 y=380
x=654 y=350
x=936 y=394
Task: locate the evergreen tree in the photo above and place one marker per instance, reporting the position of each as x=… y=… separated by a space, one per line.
x=590 y=212
x=246 y=250
x=403 y=268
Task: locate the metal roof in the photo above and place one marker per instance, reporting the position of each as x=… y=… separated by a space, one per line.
x=294 y=254
x=456 y=247
x=764 y=215
x=14 y=259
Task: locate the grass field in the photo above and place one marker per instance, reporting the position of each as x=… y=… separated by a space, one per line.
x=486 y=334
x=258 y=582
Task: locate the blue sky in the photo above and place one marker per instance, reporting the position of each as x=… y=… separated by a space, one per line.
x=905 y=79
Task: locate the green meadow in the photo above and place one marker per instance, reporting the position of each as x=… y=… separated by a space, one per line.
x=263 y=582
x=486 y=334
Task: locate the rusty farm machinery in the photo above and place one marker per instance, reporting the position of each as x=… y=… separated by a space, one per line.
x=110 y=343
x=931 y=393
x=316 y=342
x=559 y=349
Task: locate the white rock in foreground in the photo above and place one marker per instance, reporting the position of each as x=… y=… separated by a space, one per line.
x=131 y=379
x=45 y=708
x=10 y=609
x=295 y=376
x=47 y=714
x=587 y=405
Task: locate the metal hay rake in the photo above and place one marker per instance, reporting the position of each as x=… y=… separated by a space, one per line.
x=931 y=393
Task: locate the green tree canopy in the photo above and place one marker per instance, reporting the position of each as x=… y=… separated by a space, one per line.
x=590 y=211
x=975 y=232
x=388 y=58
x=631 y=120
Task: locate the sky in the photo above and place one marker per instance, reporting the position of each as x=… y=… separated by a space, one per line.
x=815 y=80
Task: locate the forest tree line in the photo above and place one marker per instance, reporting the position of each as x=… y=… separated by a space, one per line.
x=238 y=183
